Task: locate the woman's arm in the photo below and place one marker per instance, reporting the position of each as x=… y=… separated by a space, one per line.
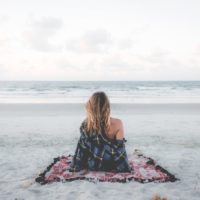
x=120 y=130
x=80 y=157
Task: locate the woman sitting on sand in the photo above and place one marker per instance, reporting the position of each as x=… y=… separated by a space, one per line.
x=101 y=146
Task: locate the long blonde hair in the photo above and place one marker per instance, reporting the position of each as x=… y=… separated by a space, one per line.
x=98 y=113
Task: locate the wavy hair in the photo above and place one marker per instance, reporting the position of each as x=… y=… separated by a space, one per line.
x=98 y=113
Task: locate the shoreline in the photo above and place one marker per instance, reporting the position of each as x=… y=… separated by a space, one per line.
x=79 y=108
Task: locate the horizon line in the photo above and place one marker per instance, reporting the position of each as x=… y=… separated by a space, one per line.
x=92 y=80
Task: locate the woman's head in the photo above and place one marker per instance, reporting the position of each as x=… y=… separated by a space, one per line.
x=98 y=113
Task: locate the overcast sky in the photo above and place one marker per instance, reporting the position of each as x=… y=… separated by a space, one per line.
x=99 y=40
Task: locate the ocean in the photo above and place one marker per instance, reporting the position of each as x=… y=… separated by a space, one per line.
x=117 y=91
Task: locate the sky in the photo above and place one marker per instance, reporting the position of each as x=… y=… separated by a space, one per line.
x=99 y=40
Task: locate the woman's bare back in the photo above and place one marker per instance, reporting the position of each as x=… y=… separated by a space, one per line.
x=116 y=130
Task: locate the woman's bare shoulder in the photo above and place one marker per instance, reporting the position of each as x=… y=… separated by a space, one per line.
x=118 y=127
x=116 y=121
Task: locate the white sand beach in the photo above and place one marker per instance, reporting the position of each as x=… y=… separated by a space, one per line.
x=31 y=135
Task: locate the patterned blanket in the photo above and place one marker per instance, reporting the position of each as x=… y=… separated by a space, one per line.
x=145 y=170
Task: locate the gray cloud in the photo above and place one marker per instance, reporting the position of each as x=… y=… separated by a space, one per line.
x=40 y=33
x=96 y=41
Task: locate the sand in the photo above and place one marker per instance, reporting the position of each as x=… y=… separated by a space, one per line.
x=32 y=134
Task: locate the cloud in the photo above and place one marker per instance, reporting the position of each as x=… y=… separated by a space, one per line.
x=95 y=41
x=67 y=65
x=197 y=51
x=41 y=32
x=3 y=43
x=3 y=71
x=6 y=37
x=154 y=58
x=4 y=19
x=125 y=44
x=115 y=62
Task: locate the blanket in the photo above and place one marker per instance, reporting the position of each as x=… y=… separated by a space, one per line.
x=145 y=170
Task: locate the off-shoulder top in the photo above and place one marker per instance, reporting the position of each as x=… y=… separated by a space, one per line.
x=99 y=153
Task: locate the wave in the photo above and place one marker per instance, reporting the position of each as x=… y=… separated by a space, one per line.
x=118 y=91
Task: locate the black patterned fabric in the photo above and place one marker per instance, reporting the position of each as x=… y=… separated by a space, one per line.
x=98 y=153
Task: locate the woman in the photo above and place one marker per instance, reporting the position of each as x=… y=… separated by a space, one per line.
x=101 y=144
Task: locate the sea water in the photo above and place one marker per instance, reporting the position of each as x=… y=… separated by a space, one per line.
x=118 y=91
